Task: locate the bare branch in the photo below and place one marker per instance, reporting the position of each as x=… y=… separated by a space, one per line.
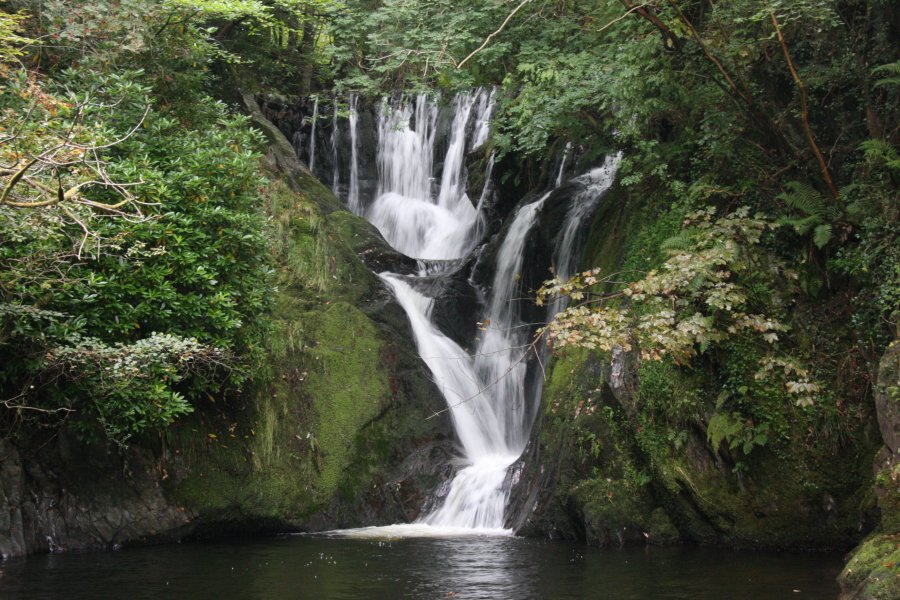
x=14 y=180
x=50 y=411
x=804 y=111
x=130 y=133
x=488 y=39
x=625 y=16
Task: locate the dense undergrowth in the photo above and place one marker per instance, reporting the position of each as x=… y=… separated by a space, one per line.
x=134 y=248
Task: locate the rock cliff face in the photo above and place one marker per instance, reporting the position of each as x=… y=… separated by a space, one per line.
x=621 y=452
x=332 y=433
x=873 y=569
x=51 y=501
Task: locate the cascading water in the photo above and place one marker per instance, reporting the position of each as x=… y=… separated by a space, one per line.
x=483 y=125
x=312 y=136
x=485 y=391
x=477 y=496
x=562 y=164
x=486 y=191
x=594 y=185
x=353 y=194
x=336 y=172
x=409 y=215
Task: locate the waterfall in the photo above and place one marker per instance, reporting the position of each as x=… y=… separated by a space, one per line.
x=436 y=222
x=594 y=184
x=499 y=356
x=486 y=191
x=483 y=124
x=405 y=156
x=454 y=373
x=477 y=496
x=353 y=194
x=336 y=174
x=408 y=214
x=312 y=136
x=562 y=164
x=453 y=181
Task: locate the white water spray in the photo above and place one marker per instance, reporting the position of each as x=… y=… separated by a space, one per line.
x=485 y=112
x=336 y=173
x=595 y=184
x=353 y=194
x=485 y=391
x=409 y=215
x=565 y=256
x=312 y=136
x=562 y=164
x=478 y=496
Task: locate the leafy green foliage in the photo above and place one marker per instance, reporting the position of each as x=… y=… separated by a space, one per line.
x=888 y=74
x=819 y=214
x=704 y=294
x=11 y=40
x=129 y=387
x=695 y=299
x=737 y=433
x=143 y=289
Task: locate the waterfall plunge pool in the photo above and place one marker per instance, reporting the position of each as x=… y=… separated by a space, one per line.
x=471 y=567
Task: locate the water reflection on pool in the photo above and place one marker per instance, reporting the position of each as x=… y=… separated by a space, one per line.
x=487 y=567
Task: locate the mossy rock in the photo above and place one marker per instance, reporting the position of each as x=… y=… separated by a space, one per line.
x=792 y=478
x=614 y=511
x=339 y=401
x=873 y=571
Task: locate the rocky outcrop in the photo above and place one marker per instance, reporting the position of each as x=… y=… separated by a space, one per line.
x=621 y=452
x=63 y=497
x=333 y=432
x=887 y=400
x=873 y=569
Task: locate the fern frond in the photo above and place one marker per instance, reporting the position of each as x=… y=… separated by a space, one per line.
x=879 y=151
x=801 y=225
x=678 y=242
x=803 y=197
x=892 y=70
x=822 y=235
x=808 y=200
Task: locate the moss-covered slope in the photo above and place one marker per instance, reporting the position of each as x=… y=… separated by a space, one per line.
x=341 y=404
x=632 y=454
x=332 y=431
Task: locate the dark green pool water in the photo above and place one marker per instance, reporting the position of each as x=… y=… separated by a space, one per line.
x=501 y=568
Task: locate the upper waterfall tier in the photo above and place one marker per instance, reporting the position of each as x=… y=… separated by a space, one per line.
x=416 y=216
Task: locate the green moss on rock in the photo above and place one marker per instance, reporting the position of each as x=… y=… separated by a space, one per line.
x=347 y=383
x=315 y=441
x=873 y=571
x=780 y=477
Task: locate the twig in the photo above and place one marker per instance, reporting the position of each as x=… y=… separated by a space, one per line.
x=631 y=10
x=488 y=39
x=11 y=406
x=114 y=142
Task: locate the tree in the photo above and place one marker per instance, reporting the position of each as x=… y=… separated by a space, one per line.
x=133 y=253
